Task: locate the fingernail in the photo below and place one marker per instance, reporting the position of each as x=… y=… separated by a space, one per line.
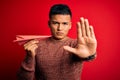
x=86 y=19
x=81 y=18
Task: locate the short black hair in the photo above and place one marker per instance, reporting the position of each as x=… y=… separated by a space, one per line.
x=60 y=9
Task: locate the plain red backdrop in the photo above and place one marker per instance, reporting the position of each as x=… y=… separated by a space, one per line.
x=28 y=17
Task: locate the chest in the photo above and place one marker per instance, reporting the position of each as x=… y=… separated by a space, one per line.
x=52 y=56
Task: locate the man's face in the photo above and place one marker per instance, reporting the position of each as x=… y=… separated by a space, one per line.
x=60 y=26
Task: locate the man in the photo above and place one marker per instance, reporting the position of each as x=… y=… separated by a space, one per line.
x=59 y=57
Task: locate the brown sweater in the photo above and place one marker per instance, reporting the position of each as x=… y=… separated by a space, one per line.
x=52 y=62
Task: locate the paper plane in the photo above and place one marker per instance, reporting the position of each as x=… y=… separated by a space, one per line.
x=22 y=39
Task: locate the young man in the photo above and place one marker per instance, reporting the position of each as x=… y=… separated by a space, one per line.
x=59 y=57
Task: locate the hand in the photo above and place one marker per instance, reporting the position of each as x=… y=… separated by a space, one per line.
x=31 y=46
x=86 y=41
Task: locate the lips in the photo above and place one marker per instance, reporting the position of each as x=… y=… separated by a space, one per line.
x=59 y=33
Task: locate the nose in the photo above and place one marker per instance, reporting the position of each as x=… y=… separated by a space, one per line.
x=60 y=27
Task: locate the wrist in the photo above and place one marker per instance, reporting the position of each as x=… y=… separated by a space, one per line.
x=91 y=57
x=30 y=54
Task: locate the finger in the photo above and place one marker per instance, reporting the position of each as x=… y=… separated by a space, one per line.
x=29 y=46
x=32 y=47
x=79 y=32
x=70 y=49
x=31 y=42
x=87 y=27
x=92 y=34
x=82 y=27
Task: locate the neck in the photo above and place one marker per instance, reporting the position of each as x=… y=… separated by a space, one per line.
x=59 y=39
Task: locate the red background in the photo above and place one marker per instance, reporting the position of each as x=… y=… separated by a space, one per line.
x=30 y=17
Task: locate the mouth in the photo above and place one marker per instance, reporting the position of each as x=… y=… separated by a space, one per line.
x=59 y=33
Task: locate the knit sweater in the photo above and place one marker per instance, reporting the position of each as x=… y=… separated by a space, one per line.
x=52 y=62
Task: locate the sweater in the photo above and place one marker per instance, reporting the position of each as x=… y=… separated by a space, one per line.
x=52 y=62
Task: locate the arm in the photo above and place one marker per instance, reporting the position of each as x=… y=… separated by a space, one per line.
x=27 y=69
x=86 y=41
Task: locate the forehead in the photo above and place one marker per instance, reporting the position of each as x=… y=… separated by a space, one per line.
x=61 y=18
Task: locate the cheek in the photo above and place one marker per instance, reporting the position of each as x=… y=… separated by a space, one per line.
x=53 y=28
x=67 y=29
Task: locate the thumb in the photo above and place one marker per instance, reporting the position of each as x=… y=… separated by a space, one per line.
x=70 y=49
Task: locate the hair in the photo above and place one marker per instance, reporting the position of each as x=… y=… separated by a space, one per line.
x=60 y=9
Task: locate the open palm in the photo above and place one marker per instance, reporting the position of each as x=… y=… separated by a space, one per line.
x=86 y=41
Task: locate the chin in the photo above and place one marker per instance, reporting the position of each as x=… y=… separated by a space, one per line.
x=59 y=37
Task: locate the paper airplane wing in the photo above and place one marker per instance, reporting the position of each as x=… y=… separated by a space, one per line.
x=22 y=39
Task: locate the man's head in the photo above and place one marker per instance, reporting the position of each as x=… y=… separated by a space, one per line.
x=60 y=21
x=60 y=9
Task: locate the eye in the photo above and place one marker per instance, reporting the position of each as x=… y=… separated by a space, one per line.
x=55 y=23
x=65 y=23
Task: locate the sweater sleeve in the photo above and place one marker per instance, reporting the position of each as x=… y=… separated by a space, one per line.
x=27 y=69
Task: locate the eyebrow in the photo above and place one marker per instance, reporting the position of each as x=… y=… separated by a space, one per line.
x=59 y=22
